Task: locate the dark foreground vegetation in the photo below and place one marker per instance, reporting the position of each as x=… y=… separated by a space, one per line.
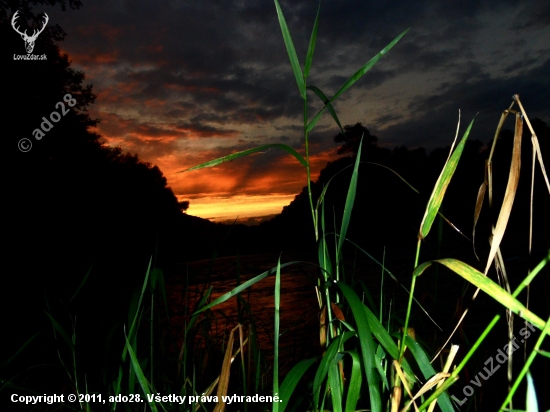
x=84 y=223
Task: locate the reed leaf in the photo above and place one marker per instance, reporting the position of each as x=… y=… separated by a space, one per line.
x=356 y=378
x=366 y=342
x=223 y=383
x=509 y=195
x=355 y=77
x=276 y=333
x=19 y=350
x=57 y=327
x=482 y=282
x=312 y=42
x=247 y=152
x=144 y=383
x=441 y=186
x=327 y=103
x=335 y=384
x=385 y=339
x=292 y=51
x=395 y=279
x=242 y=287
x=324 y=365
x=350 y=200
x=291 y=380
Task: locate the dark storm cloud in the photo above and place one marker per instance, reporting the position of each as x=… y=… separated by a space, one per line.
x=434 y=122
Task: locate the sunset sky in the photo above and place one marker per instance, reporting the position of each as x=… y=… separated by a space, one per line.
x=182 y=82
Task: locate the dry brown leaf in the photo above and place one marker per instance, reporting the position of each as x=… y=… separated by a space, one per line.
x=511 y=188
x=223 y=384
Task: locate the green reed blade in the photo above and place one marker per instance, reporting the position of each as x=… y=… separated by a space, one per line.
x=291 y=52
x=327 y=103
x=417 y=192
x=527 y=281
x=436 y=198
x=144 y=383
x=368 y=296
x=323 y=368
x=328 y=357
x=367 y=345
x=482 y=337
x=291 y=380
x=335 y=384
x=242 y=287
x=21 y=349
x=131 y=334
x=350 y=199
x=132 y=376
x=525 y=369
x=385 y=339
x=324 y=257
x=428 y=371
x=81 y=285
x=312 y=41
x=360 y=73
x=354 y=389
x=381 y=372
x=482 y=282
x=454 y=376
x=395 y=279
x=143 y=289
x=247 y=152
x=57 y=327
x=276 y=334
x=162 y=287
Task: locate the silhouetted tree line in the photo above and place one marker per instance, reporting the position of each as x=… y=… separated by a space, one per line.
x=72 y=203
x=387 y=213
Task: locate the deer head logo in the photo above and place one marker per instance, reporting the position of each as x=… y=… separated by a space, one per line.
x=29 y=40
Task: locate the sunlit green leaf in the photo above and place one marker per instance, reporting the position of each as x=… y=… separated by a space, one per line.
x=441 y=185
x=482 y=282
x=247 y=152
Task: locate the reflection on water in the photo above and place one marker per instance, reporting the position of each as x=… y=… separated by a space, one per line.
x=298 y=306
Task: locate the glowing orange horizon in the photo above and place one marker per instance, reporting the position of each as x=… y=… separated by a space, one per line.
x=217 y=209
x=251 y=187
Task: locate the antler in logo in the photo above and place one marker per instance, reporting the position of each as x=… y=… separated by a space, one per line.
x=29 y=40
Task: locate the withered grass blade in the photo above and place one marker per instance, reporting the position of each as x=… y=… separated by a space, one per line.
x=535 y=142
x=510 y=194
x=479 y=204
x=223 y=384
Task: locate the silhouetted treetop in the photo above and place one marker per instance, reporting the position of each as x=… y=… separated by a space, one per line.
x=352 y=137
